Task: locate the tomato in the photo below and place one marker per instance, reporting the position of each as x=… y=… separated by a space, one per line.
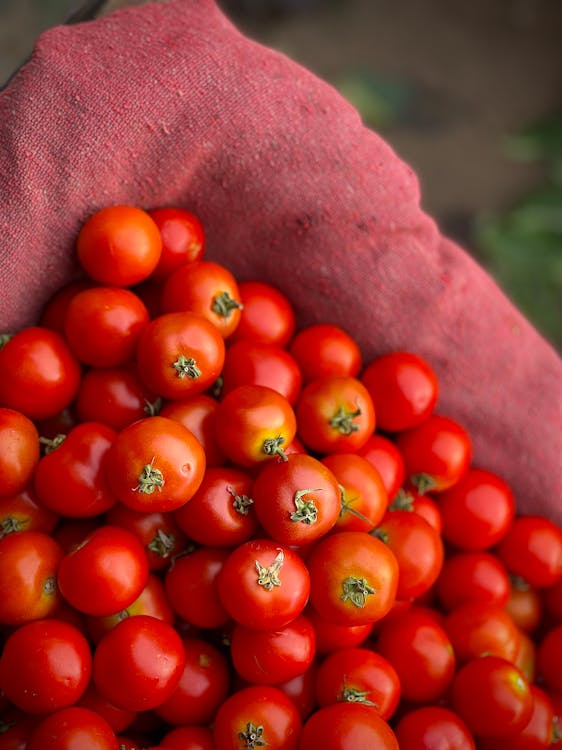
x=139 y=663
x=364 y=499
x=198 y=414
x=325 y=349
x=436 y=453
x=420 y=651
x=296 y=501
x=254 y=423
x=256 y=716
x=383 y=454
x=335 y=414
x=550 y=658
x=29 y=562
x=117 y=718
x=205 y=288
x=526 y=657
x=22 y=512
x=70 y=479
x=191 y=585
x=46 y=665
x=301 y=691
x=479 y=628
x=263 y=584
x=477 y=511
x=532 y=549
x=344 y=726
x=353 y=578
x=71 y=728
x=53 y=315
x=39 y=375
x=19 y=451
x=267 y=315
x=433 y=728
x=492 y=697
x=552 y=598
x=536 y=734
x=155 y=464
x=221 y=513
x=331 y=636
x=189 y=738
x=524 y=605
x=202 y=688
x=425 y=506
x=119 y=246
x=183 y=239
x=179 y=354
x=105 y=573
x=268 y=657
x=404 y=390
x=16 y=728
x=103 y=325
x=472 y=576
x=358 y=675
x=417 y=548
x=71 y=532
x=254 y=363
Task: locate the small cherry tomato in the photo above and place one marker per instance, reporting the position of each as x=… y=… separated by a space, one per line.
x=325 y=349
x=472 y=576
x=347 y=725
x=267 y=315
x=409 y=499
x=183 y=239
x=198 y=414
x=23 y=512
x=301 y=691
x=537 y=734
x=383 y=454
x=117 y=718
x=19 y=451
x=524 y=605
x=189 y=738
x=549 y=657
x=332 y=637
x=532 y=549
x=53 y=315
x=71 y=728
x=478 y=628
x=433 y=728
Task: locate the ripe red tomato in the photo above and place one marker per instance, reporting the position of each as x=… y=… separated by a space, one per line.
x=524 y=605
x=19 y=451
x=155 y=464
x=71 y=728
x=301 y=691
x=267 y=315
x=325 y=349
x=383 y=454
x=411 y=500
x=119 y=246
x=198 y=414
x=532 y=549
x=139 y=663
x=537 y=734
x=205 y=288
x=103 y=325
x=263 y=584
x=436 y=453
x=45 y=666
x=183 y=239
x=296 y=501
x=332 y=637
x=335 y=414
x=353 y=577
x=105 y=573
x=347 y=725
x=39 y=375
x=472 y=576
x=433 y=728
x=552 y=598
x=53 y=315
x=189 y=738
x=22 y=512
x=179 y=354
x=479 y=628
x=550 y=658
x=29 y=562
x=404 y=390
x=254 y=424
x=256 y=716
x=117 y=718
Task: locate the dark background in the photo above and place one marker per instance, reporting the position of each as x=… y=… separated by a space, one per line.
x=469 y=93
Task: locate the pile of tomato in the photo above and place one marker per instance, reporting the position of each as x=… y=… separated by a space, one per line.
x=221 y=532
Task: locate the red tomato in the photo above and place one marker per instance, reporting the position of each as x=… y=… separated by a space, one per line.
x=477 y=511
x=180 y=354
x=332 y=637
x=29 y=562
x=39 y=375
x=105 y=573
x=532 y=549
x=343 y=726
x=358 y=675
x=46 y=665
x=119 y=246
x=189 y=738
x=268 y=657
x=364 y=499
x=139 y=663
x=205 y=288
x=425 y=506
x=325 y=349
x=404 y=390
x=256 y=716
x=17 y=728
x=155 y=464
x=436 y=453
x=22 y=512
x=267 y=315
x=524 y=605
x=550 y=658
x=353 y=578
x=264 y=584
x=53 y=315
x=117 y=718
x=478 y=628
x=202 y=688
x=72 y=728
x=526 y=657
x=296 y=501
x=301 y=691
x=253 y=424
x=103 y=325
x=19 y=451
x=472 y=576
x=383 y=454
x=492 y=697
x=537 y=734
x=198 y=414
x=335 y=414
x=183 y=239
x=420 y=651
x=433 y=728
x=221 y=513
x=552 y=598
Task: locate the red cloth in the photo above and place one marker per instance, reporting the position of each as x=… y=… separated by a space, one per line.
x=170 y=104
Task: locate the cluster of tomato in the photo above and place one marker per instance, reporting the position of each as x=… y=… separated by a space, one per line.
x=205 y=544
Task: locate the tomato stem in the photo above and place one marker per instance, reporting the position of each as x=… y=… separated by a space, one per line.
x=352 y=695
x=306 y=511
x=272 y=447
x=4 y=338
x=241 y=503
x=252 y=737
x=50 y=585
x=149 y=479
x=345 y=507
x=186 y=367
x=343 y=422
x=224 y=304
x=356 y=590
x=423 y=482
x=52 y=444
x=269 y=577
x=402 y=501
x=152 y=408
x=162 y=544
x=11 y=525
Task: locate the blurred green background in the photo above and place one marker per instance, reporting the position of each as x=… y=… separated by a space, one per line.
x=469 y=94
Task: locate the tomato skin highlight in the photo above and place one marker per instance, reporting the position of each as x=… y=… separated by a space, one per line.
x=183 y=239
